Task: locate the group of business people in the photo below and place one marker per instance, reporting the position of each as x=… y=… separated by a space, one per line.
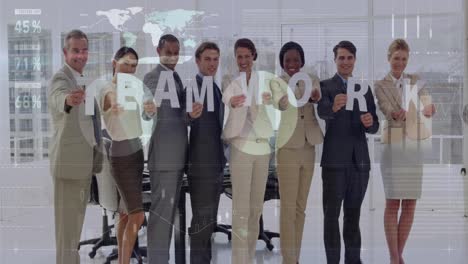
x=76 y=151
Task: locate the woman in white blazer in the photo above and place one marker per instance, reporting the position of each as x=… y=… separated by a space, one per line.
x=248 y=130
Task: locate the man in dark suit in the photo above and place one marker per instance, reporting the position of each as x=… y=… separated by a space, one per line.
x=167 y=153
x=206 y=157
x=345 y=158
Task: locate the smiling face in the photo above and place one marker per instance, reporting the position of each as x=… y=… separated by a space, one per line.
x=169 y=54
x=76 y=54
x=398 y=61
x=208 y=62
x=126 y=64
x=245 y=59
x=344 y=62
x=292 y=62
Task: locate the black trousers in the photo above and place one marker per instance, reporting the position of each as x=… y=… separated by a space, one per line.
x=348 y=186
x=205 y=189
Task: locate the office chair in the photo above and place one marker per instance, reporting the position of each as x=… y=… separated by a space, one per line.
x=106 y=238
x=104 y=192
x=139 y=252
x=226 y=187
x=271 y=192
x=104 y=184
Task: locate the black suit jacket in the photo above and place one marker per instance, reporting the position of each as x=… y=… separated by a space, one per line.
x=168 y=144
x=206 y=149
x=345 y=142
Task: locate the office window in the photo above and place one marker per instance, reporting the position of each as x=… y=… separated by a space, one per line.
x=45 y=125
x=401 y=7
x=12 y=100
x=437 y=57
x=43 y=101
x=24 y=102
x=318 y=40
x=26 y=143
x=12 y=125
x=29 y=70
x=26 y=125
x=45 y=143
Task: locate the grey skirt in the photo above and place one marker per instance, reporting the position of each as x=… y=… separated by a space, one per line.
x=402 y=169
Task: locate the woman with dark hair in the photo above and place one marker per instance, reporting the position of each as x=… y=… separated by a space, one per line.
x=298 y=134
x=126 y=152
x=248 y=130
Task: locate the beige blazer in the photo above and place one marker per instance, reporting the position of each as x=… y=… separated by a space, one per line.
x=236 y=118
x=298 y=126
x=72 y=154
x=389 y=100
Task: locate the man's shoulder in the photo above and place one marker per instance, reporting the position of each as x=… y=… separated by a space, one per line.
x=154 y=73
x=60 y=75
x=328 y=84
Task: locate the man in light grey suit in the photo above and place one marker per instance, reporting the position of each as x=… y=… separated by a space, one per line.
x=74 y=154
x=167 y=152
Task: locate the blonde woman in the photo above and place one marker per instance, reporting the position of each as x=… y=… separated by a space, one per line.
x=403 y=136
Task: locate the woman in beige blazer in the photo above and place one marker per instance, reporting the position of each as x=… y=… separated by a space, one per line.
x=298 y=134
x=403 y=136
x=247 y=130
